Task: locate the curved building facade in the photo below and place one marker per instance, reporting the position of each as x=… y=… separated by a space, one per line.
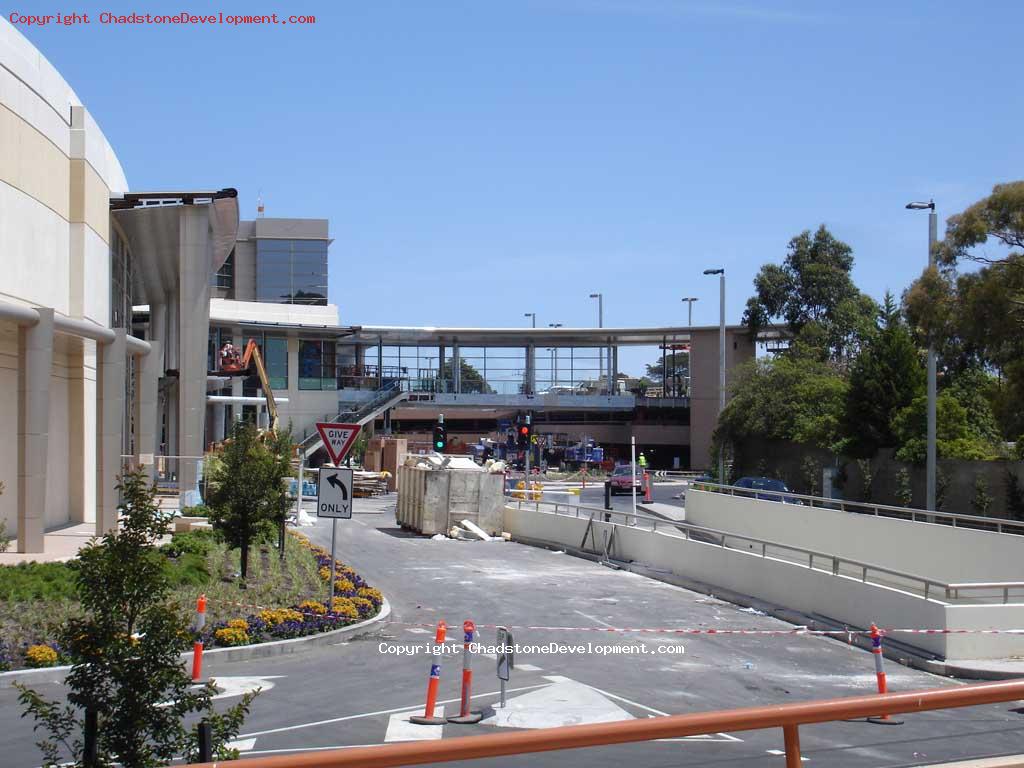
x=65 y=287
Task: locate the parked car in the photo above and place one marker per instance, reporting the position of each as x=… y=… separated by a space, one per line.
x=766 y=484
x=621 y=482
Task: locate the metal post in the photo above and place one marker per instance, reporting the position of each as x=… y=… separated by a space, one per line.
x=791 y=737
x=931 y=457
x=721 y=368
x=632 y=483
x=90 y=738
x=334 y=542
x=526 y=466
x=205 y=742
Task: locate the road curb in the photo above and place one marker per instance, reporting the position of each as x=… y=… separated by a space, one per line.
x=240 y=653
x=896 y=650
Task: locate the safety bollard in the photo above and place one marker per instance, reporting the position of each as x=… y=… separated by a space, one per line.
x=465 y=716
x=647 y=487
x=434 y=680
x=197 y=646
x=876 y=650
x=607 y=499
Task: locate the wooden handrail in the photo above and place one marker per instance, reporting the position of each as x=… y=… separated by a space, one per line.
x=786 y=716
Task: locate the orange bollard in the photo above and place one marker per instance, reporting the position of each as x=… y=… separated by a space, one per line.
x=647 y=487
x=876 y=650
x=197 y=646
x=433 y=681
x=465 y=716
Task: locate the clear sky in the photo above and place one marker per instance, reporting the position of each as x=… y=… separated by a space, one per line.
x=479 y=159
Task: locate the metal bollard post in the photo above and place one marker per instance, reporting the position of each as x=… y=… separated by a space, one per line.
x=465 y=716
x=876 y=650
x=90 y=752
x=607 y=499
x=197 y=646
x=205 y=733
x=433 y=681
x=647 y=487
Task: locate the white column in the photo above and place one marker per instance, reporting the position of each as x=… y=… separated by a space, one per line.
x=147 y=380
x=34 y=435
x=218 y=421
x=456 y=368
x=110 y=420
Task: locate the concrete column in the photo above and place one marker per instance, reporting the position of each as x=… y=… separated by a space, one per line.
x=531 y=369
x=456 y=369
x=440 y=367
x=147 y=378
x=219 y=414
x=34 y=437
x=110 y=420
x=611 y=370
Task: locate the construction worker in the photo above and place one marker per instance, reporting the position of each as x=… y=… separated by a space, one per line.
x=642 y=461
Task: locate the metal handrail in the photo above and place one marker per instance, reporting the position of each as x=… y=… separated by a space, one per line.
x=789 y=717
x=844 y=506
x=383 y=395
x=836 y=562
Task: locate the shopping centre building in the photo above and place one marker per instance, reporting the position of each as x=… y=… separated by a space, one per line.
x=114 y=304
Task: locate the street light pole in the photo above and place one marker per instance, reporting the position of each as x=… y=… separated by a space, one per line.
x=721 y=361
x=532 y=316
x=689 y=309
x=600 y=324
x=554 y=355
x=931 y=460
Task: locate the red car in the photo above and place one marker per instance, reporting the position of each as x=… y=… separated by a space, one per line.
x=624 y=481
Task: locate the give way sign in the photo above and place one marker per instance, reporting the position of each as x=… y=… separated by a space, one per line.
x=338 y=438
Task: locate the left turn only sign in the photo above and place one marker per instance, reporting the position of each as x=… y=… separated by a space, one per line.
x=334 y=494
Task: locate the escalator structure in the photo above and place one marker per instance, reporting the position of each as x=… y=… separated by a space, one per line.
x=384 y=399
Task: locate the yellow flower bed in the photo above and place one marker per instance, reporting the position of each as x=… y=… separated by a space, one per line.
x=364 y=606
x=275 y=616
x=41 y=656
x=232 y=635
x=241 y=624
x=342 y=606
x=312 y=606
x=344 y=585
x=371 y=594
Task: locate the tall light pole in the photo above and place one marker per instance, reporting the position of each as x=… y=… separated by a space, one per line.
x=532 y=316
x=689 y=309
x=933 y=227
x=721 y=360
x=554 y=354
x=600 y=324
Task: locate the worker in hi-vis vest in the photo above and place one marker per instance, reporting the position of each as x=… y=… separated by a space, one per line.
x=642 y=461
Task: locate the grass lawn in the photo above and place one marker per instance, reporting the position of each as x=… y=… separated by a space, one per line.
x=36 y=597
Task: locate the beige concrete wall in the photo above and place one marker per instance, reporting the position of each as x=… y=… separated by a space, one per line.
x=704 y=385
x=940 y=552
x=840 y=598
x=9 y=424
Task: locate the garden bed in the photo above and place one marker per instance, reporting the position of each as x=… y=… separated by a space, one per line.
x=283 y=599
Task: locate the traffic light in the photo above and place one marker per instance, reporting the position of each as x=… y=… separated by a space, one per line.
x=523 y=433
x=440 y=438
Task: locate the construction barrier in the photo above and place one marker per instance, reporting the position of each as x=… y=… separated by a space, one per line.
x=433 y=681
x=197 y=646
x=876 y=651
x=465 y=716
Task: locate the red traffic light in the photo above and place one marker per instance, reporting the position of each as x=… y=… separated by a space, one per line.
x=524 y=430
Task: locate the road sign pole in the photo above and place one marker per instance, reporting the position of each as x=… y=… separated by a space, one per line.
x=334 y=542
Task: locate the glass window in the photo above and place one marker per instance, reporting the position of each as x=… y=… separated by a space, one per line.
x=225 y=276
x=275 y=357
x=291 y=271
x=317 y=360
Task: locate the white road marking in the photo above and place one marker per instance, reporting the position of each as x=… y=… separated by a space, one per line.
x=418 y=630
x=242 y=745
x=400 y=729
x=778 y=752
x=567 y=703
x=239 y=685
x=595 y=619
x=342 y=719
x=528 y=668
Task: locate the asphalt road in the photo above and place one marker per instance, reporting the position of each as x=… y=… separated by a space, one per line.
x=361 y=692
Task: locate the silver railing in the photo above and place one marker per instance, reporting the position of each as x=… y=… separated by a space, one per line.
x=824 y=562
x=953 y=519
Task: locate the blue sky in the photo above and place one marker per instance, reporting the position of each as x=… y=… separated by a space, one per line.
x=479 y=159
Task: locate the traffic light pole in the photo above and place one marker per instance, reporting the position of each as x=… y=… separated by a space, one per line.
x=527 y=465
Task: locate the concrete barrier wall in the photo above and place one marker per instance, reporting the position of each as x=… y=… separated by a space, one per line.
x=940 y=552
x=843 y=599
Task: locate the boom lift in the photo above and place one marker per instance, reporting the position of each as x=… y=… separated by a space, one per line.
x=231 y=363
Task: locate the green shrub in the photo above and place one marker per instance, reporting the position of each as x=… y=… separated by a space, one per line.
x=36 y=581
x=188 y=569
x=201 y=510
x=189 y=543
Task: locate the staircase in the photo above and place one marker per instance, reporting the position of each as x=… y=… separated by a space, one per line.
x=386 y=397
